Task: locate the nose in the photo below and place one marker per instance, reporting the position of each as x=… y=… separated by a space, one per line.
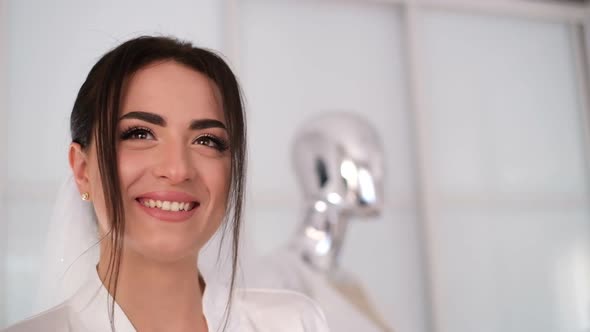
x=174 y=164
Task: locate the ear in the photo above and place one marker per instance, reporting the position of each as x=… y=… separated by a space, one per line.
x=79 y=164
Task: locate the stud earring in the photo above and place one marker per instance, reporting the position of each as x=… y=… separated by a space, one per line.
x=85 y=196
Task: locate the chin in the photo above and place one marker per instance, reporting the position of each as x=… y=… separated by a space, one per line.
x=165 y=249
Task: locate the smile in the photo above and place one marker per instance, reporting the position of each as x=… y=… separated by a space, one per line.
x=167 y=205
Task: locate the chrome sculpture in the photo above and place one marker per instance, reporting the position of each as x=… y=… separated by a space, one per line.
x=338 y=160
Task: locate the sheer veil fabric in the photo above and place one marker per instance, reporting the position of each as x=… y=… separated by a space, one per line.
x=71 y=248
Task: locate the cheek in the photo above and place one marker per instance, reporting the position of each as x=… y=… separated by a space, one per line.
x=128 y=170
x=131 y=165
x=217 y=178
x=224 y=181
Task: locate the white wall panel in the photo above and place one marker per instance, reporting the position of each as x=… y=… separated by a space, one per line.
x=3 y=147
x=510 y=229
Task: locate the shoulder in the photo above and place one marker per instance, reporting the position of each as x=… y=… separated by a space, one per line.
x=274 y=309
x=54 y=319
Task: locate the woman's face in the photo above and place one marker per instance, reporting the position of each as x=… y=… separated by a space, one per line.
x=174 y=162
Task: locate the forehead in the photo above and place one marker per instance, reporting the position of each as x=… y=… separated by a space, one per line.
x=174 y=91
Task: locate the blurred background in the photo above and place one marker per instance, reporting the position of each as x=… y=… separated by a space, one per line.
x=482 y=105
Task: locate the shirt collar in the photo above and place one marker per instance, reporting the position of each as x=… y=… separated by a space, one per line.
x=91 y=305
x=215 y=305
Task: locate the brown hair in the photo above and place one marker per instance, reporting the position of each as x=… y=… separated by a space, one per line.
x=95 y=118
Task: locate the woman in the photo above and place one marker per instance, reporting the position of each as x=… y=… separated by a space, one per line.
x=158 y=149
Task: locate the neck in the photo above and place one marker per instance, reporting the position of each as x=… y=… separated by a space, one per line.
x=319 y=239
x=157 y=296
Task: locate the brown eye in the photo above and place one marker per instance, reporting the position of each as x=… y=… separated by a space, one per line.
x=212 y=142
x=137 y=133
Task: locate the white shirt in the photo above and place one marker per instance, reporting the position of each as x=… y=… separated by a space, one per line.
x=253 y=310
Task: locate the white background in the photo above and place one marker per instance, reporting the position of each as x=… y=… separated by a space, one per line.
x=486 y=222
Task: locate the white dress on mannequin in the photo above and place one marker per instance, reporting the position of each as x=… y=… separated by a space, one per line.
x=343 y=301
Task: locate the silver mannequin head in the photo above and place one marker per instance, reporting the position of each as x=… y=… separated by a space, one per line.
x=339 y=164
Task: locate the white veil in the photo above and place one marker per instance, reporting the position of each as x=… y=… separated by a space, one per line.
x=71 y=250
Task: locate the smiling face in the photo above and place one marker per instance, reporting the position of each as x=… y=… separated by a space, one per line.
x=173 y=160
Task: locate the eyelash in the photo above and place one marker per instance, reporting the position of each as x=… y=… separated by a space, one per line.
x=129 y=133
x=220 y=144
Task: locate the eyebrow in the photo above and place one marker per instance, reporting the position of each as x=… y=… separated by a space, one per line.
x=206 y=123
x=145 y=116
x=160 y=121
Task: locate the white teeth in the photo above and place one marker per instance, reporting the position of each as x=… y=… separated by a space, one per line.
x=167 y=205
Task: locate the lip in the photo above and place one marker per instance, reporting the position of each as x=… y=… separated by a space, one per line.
x=169 y=196
x=168 y=216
